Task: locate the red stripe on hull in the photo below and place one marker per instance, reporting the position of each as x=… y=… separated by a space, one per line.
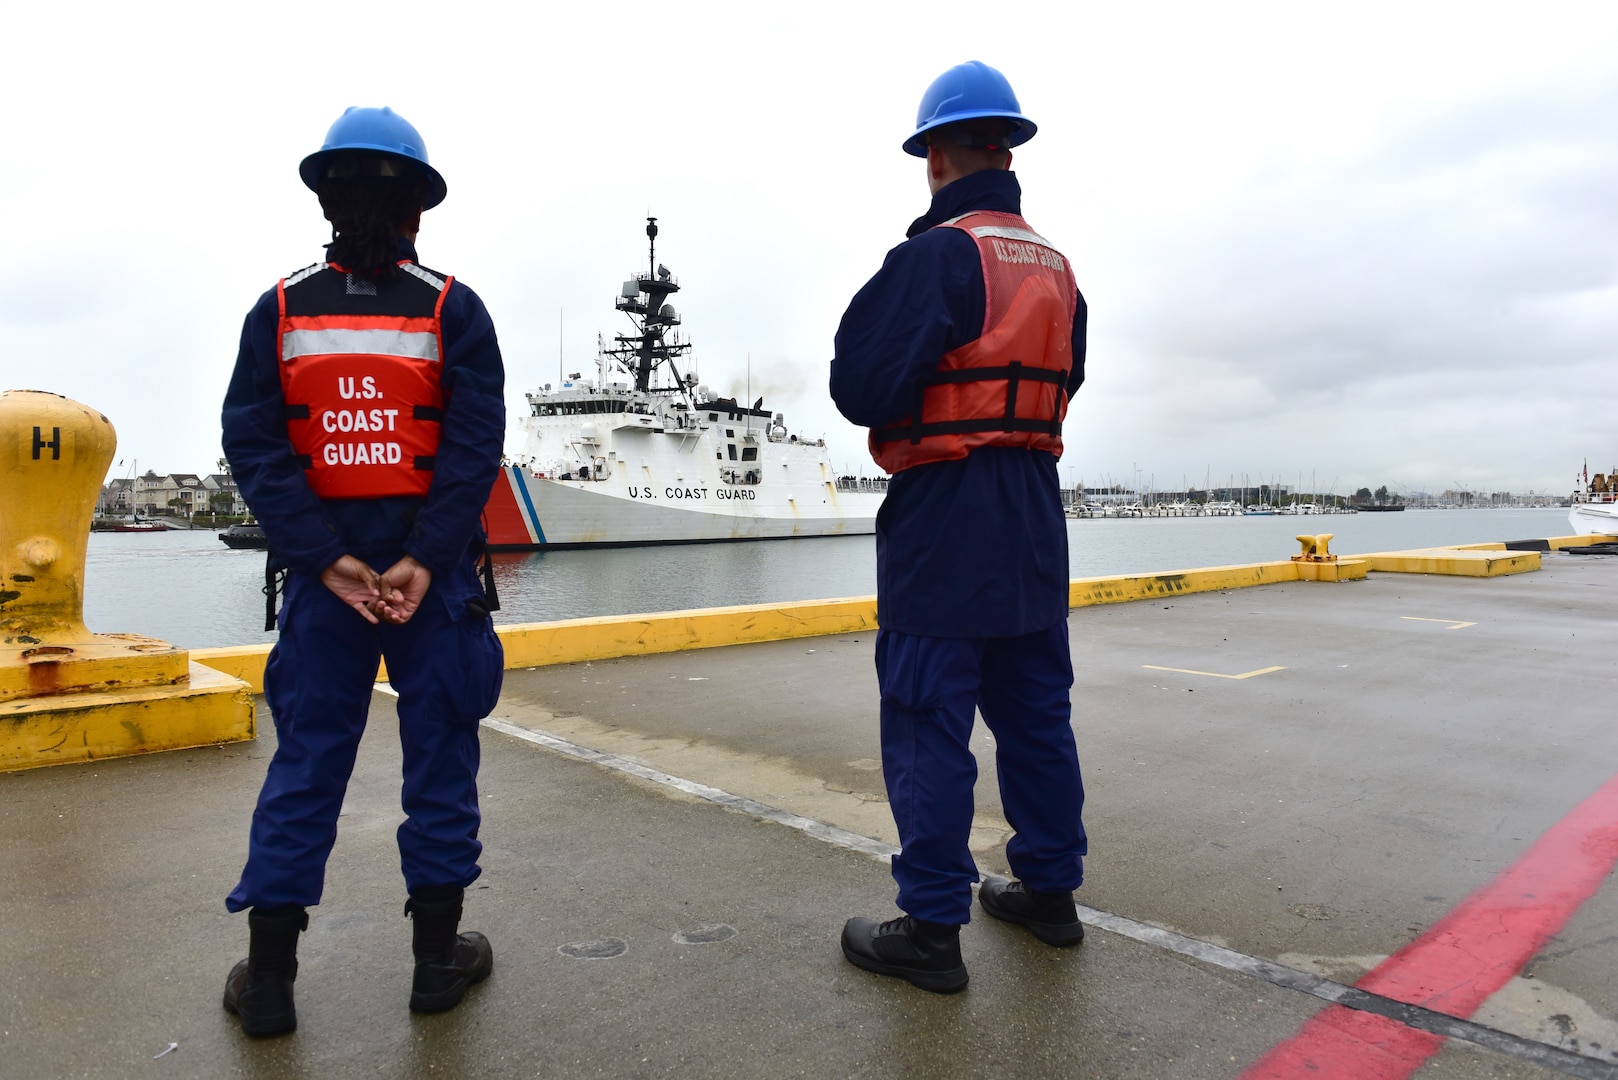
x=503 y=517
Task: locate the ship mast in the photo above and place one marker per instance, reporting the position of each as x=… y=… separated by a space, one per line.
x=644 y=300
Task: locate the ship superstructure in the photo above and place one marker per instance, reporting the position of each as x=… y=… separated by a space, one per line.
x=642 y=453
x=1594 y=505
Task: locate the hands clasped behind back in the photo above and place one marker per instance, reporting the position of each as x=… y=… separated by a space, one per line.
x=391 y=596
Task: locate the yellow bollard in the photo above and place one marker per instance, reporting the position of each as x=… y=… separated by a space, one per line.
x=1316 y=562
x=67 y=694
x=1314 y=548
x=53 y=454
x=58 y=449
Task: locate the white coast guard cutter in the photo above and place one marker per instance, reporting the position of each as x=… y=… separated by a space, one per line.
x=633 y=458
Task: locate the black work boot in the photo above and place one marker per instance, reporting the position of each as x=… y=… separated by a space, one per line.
x=446 y=962
x=925 y=953
x=259 y=989
x=1051 y=916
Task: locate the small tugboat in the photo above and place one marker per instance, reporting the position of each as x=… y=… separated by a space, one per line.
x=1594 y=508
x=637 y=456
x=245 y=536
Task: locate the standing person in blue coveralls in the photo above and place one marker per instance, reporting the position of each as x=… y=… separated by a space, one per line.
x=364 y=425
x=960 y=355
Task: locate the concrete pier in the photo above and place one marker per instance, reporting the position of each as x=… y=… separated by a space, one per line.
x=1287 y=784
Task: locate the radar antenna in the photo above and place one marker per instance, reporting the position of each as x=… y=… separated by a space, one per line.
x=644 y=299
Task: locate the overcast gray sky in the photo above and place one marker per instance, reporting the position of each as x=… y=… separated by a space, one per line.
x=1370 y=243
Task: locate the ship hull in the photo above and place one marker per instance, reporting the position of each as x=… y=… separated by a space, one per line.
x=1594 y=518
x=527 y=512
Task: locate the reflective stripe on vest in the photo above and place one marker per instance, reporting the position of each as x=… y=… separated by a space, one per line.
x=1009 y=387
x=364 y=398
x=410 y=339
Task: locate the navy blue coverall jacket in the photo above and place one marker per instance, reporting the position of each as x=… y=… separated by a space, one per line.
x=969 y=548
x=445 y=662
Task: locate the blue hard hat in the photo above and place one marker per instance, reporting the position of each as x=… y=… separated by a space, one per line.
x=375 y=129
x=968 y=91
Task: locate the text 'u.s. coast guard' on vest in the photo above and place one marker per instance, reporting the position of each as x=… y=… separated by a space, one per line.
x=341 y=346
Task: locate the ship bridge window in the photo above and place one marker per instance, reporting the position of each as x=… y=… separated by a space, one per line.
x=749 y=453
x=730 y=434
x=713 y=416
x=732 y=448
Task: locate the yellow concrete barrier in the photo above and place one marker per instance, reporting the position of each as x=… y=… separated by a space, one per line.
x=570 y=640
x=1456 y=562
x=1085 y=592
x=536 y=644
x=1555 y=543
x=244 y=662
x=207 y=709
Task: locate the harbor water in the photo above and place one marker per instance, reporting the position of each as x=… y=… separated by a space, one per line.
x=189 y=589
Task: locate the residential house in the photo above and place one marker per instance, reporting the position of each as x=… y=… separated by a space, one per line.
x=222 y=484
x=152 y=494
x=117 y=497
x=189 y=492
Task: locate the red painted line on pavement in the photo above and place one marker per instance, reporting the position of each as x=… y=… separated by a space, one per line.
x=1464 y=958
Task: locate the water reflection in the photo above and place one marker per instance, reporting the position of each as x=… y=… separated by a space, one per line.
x=546 y=585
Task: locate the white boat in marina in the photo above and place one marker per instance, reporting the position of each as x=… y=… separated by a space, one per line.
x=642 y=454
x=1594 y=509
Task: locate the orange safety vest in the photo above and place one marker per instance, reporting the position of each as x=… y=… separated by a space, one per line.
x=361 y=379
x=1009 y=387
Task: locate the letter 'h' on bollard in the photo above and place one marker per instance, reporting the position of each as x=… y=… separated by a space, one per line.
x=67 y=694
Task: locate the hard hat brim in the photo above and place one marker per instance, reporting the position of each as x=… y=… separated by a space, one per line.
x=313 y=167
x=1023 y=129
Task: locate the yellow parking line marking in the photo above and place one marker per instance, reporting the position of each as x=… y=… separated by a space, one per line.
x=1454 y=624
x=1213 y=674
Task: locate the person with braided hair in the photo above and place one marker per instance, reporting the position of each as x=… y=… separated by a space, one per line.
x=364 y=424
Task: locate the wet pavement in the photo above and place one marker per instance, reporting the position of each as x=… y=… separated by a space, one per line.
x=1391 y=746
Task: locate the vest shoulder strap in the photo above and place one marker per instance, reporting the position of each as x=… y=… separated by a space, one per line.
x=303 y=275
x=421 y=273
x=1004 y=232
